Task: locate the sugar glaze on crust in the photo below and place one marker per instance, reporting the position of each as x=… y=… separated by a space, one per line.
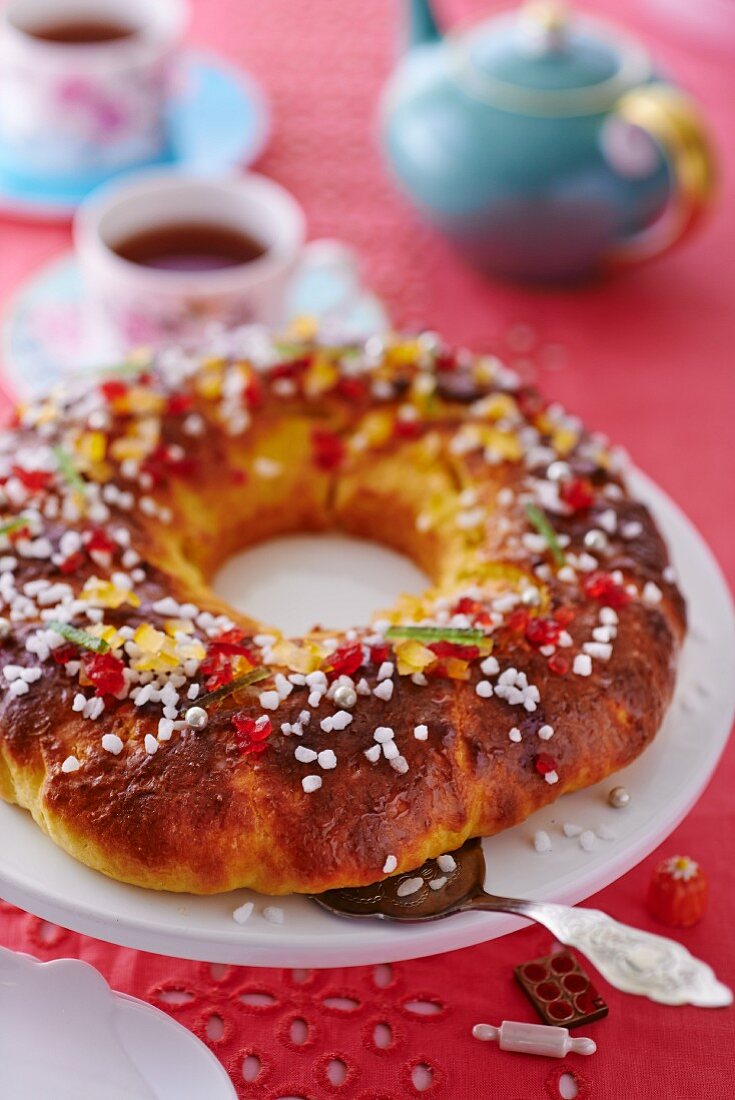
x=168 y=741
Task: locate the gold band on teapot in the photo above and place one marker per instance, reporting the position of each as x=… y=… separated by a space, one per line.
x=674 y=122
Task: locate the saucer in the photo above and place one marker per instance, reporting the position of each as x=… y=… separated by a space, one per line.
x=46 y=337
x=218 y=120
x=65 y=1033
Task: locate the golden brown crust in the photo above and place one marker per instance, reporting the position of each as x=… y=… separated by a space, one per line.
x=197 y=814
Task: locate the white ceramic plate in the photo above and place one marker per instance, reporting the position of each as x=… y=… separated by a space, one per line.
x=65 y=1034
x=664 y=783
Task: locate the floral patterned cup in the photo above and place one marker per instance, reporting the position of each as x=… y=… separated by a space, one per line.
x=132 y=305
x=84 y=110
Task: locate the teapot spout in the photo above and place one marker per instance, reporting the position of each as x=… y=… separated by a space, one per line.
x=422 y=26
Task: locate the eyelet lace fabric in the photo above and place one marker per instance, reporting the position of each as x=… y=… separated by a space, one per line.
x=386 y=1032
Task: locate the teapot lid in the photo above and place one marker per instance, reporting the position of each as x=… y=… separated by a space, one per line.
x=541 y=59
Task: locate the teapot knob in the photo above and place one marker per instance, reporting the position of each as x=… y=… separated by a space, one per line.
x=544 y=25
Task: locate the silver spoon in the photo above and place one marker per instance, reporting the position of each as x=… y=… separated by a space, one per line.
x=631 y=960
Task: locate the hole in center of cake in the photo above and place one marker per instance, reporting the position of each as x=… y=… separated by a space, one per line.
x=333 y=581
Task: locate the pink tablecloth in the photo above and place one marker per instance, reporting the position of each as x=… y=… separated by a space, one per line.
x=647 y=359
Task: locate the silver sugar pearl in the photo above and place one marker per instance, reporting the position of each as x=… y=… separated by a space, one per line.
x=531 y=597
x=345 y=697
x=596 y=539
x=196 y=717
x=558 y=471
x=618 y=797
x=4 y=628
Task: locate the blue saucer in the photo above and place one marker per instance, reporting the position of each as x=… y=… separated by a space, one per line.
x=218 y=120
x=46 y=336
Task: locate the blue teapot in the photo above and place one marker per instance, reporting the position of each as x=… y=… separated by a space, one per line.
x=543 y=144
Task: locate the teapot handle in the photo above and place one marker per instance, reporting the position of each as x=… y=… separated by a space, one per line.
x=674 y=122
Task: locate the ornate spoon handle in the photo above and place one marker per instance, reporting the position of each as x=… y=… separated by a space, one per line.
x=631 y=960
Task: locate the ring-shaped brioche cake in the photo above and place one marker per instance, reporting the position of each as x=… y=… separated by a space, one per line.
x=168 y=741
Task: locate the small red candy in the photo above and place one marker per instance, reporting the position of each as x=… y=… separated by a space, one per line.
x=251 y=734
x=113 y=389
x=328 y=450
x=216 y=668
x=466 y=606
x=559 y=664
x=454 y=649
x=678 y=892
x=72 y=563
x=544 y=764
x=233 y=643
x=379 y=653
x=99 y=543
x=577 y=494
x=518 y=621
x=445 y=361
x=344 y=661
x=105 y=672
x=64 y=653
x=35 y=481
x=353 y=389
x=540 y=632
x=291 y=368
x=253 y=392
x=407 y=429
x=179 y=403
x=602 y=587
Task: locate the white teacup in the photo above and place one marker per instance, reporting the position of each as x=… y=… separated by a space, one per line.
x=134 y=305
x=76 y=110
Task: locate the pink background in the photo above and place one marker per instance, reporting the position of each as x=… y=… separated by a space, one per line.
x=646 y=358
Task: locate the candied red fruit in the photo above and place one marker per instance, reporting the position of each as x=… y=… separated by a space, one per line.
x=454 y=649
x=544 y=764
x=354 y=389
x=466 y=606
x=344 y=661
x=559 y=664
x=379 y=653
x=251 y=734
x=105 y=672
x=113 y=389
x=541 y=632
x=231 y=643
x=216 y=668
x=328 y=450
x=179 y=403
x=253 y=392
x=603 y=587
x=291 y=368
x=97 y=541
x=518 y=621
x=64 y=653
x=72 y=563
x=407 y=429
x=35 y=481
x=577 y=494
